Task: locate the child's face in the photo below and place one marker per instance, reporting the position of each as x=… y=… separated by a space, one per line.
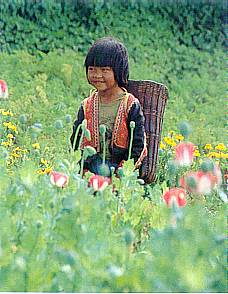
x=102 y=78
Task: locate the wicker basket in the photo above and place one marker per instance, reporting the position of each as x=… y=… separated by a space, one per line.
x=153 y=97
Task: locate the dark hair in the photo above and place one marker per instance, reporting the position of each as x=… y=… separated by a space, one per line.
x=108 y=51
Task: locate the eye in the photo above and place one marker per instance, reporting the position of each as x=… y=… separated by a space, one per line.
x=106 y=69
x=90 y=68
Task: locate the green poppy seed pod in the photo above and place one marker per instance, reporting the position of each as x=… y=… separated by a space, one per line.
x=185 y=129
x=141 y=181
x=68 y=118
x=129 y=237
x=112 y=168
x=39 y=224
x=104 y=170
x=23 y=119
x=132 y=124
x=51 y=204
x=108 y=215
x=87 y=134
x=102 y=129
x=160 y=152
x=39 y=206
x=35 y=129
x=84 y=125
x=207 y=165
x=38 y=125
x=191 y=182
x=120 y=172
x=58 y=124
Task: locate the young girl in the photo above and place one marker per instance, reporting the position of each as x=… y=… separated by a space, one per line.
x=110 y=105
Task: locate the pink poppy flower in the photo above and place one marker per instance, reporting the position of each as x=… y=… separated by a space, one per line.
x=178 y=194
x=198 y=182
x=184 y=153
x=3 y=90
x=99 y=183
x=59 y=179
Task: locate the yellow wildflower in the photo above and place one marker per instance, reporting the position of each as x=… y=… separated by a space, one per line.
x=171 y=133
x=223 y=155
x=8 y=112
x=10 y=161
x=6 y=143
x=213 y=154
x=24 y=150
x=40 y=172
x=48 y=170
x=36 y=146
x=196 y=153
x=10 y=126
x=208 y=147
x=169 y=141
x=43 y=161
x=15 y=154
x=179 y=137
x=220 y=147
x=10 y=136
x=162 y=145
x=17 y=149
x=44 y=171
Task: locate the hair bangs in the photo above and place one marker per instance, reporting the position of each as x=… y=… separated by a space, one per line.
x=99 y=57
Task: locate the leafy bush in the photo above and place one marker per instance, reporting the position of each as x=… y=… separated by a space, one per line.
x=48 y=25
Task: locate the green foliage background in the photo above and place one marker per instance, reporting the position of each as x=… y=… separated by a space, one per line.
x=178 y=43
x=43 y=46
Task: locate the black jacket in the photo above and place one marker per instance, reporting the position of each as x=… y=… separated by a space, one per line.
x=118 y=154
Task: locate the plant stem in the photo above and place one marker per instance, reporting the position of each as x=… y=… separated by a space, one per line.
x=75 y=138
x=104 y=147
x=81 y=138
x=82 y=165
x=130 y=145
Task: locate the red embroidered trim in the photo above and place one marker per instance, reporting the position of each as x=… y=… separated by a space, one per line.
x=91 y=114
x=120 y=136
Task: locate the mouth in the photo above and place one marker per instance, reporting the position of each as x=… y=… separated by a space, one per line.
x=97 y=82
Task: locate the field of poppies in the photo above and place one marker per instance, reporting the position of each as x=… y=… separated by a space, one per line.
x=65 y=231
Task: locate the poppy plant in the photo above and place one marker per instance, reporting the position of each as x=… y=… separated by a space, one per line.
x=99 y=183
x=3 y=89
x=198 y=182
x=59 y=179
x=184 y=153
x=176 y=194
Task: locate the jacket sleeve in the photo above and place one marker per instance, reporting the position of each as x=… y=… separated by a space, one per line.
x=77 y=122
x=138 y=144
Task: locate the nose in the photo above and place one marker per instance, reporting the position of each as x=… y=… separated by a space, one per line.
x=98 y=73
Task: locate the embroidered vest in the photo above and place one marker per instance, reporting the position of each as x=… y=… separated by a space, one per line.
x=120 y=136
